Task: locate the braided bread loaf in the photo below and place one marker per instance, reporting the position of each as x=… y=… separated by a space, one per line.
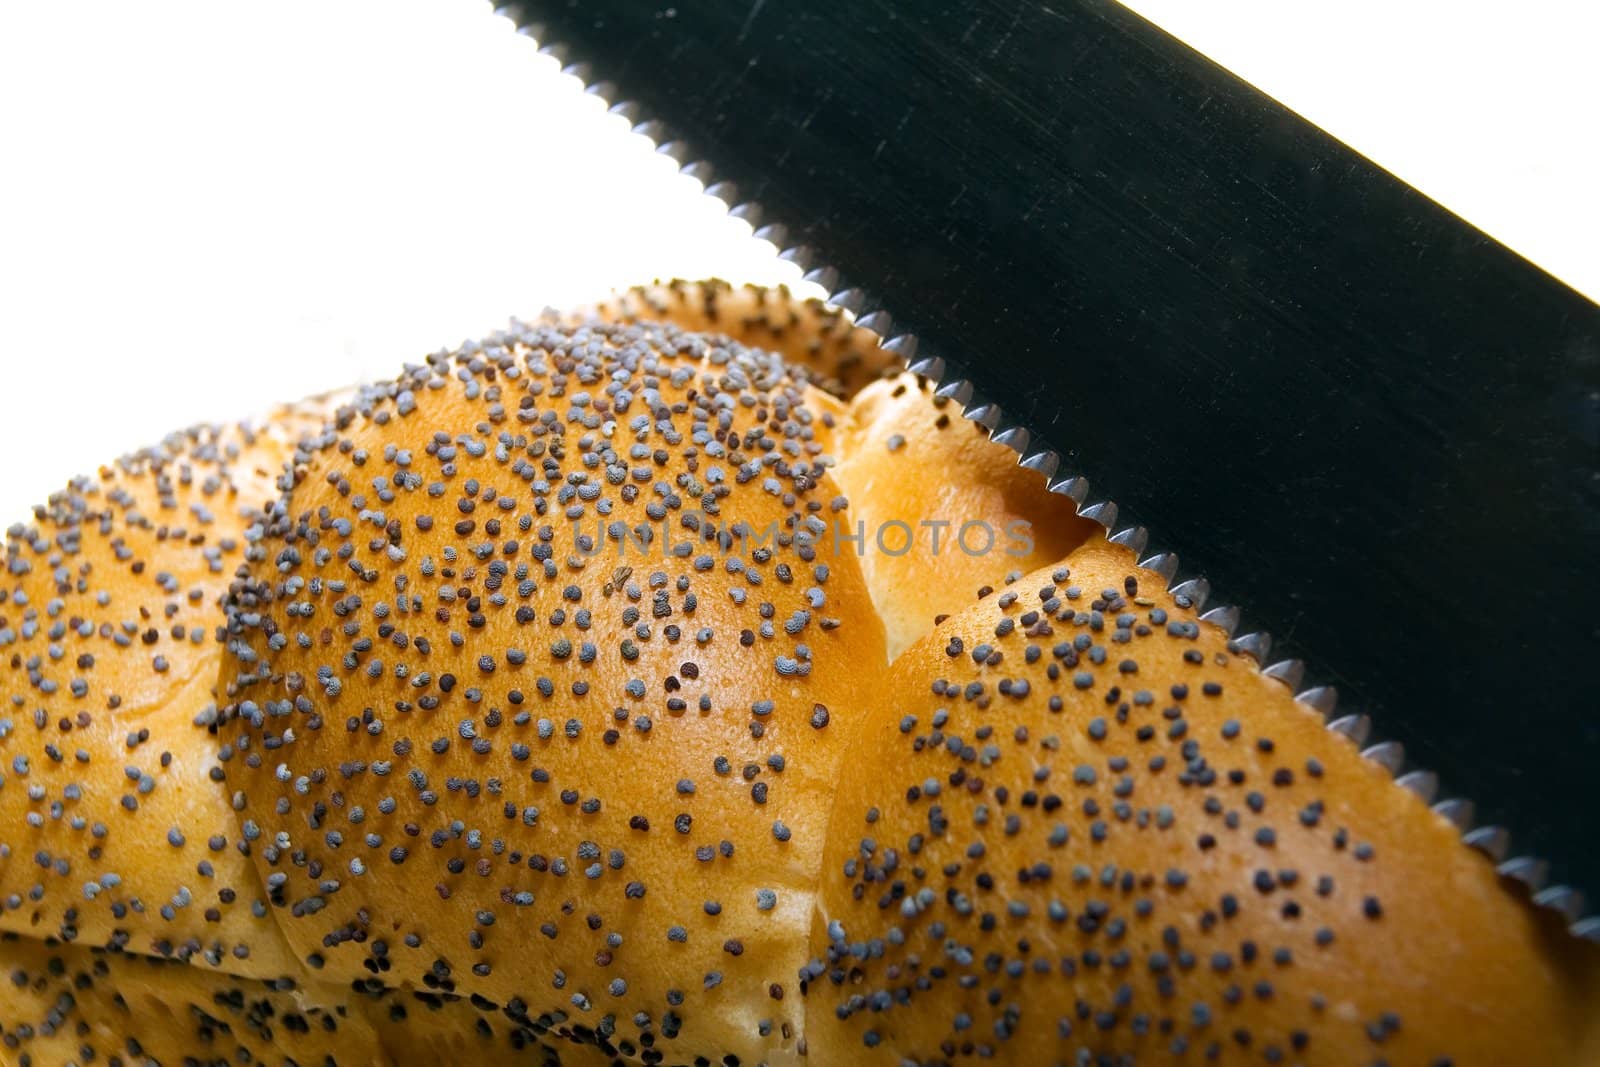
x=672 y=682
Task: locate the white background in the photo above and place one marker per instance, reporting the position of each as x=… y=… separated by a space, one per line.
x=205 y=208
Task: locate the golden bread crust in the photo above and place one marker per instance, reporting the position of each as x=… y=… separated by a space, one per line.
x=1080 y=825
x=474 y=761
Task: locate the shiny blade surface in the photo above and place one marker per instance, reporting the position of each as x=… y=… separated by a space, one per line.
x=1354 y=414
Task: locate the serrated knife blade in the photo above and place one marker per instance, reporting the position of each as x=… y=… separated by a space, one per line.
x=1357 y=415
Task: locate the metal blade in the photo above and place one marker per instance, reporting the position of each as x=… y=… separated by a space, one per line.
x=1351 y=406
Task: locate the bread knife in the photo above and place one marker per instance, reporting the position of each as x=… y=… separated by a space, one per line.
x=1348 y=410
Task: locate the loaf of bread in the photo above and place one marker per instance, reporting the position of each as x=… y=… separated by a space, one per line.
x=674 y=682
